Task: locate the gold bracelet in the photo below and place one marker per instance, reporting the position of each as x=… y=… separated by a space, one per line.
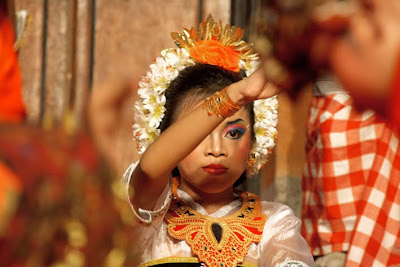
x=220 y=104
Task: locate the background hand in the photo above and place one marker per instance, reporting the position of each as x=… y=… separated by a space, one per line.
x=108 y=116
x=365 y=60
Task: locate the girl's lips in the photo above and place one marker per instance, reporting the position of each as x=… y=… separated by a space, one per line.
x=215 y=169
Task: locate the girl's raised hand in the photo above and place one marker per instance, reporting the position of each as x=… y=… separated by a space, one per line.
x=254 y=87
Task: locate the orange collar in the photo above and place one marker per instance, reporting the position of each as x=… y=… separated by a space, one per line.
x=217 y=241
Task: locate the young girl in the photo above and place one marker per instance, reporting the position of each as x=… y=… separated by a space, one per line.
x=212 y=135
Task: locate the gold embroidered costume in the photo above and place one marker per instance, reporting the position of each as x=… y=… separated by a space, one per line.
x=217 y=241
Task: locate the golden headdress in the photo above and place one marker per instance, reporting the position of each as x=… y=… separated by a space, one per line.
x=209 y=30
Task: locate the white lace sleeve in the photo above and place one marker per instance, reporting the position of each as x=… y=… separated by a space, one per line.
x=146 y=217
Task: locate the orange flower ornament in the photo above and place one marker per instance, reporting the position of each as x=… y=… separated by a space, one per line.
x=213 y=52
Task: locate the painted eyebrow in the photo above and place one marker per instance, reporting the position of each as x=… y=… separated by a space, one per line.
x=233 y=122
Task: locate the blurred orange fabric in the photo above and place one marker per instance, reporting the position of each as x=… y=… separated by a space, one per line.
x=10 y=188
x=12 y=108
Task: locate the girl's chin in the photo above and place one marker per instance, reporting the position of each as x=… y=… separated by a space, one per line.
x=209 y=185
x=213 y=189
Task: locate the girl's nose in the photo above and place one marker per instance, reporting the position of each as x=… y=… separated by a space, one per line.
x=215 y=145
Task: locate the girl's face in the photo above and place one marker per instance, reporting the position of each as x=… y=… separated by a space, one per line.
x=219 y=160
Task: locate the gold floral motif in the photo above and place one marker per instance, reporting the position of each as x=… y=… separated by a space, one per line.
x=238 y=230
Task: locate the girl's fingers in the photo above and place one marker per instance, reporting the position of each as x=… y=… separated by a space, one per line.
x=257 y=80
x=252 y=86
x=269 y=90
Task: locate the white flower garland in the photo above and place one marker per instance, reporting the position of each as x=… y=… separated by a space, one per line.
x=149 y=109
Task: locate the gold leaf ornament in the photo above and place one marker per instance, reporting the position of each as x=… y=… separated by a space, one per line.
x=229 y=36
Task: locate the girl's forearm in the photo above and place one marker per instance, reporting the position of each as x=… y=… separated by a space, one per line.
x=183 y=136
x=173 y=145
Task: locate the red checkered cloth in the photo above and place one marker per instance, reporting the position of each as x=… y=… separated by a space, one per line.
x=351 y=184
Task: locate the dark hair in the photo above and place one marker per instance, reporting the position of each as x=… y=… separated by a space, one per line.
x=194 y=84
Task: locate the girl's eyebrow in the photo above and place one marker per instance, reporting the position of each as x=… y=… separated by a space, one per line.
x=235 y=121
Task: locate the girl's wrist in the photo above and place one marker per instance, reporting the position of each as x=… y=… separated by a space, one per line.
x=221 y=104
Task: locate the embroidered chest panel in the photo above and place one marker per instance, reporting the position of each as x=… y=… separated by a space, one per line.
x=219 y=242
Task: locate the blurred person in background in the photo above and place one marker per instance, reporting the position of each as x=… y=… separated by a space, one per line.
x=351 y=180
x=60 y=204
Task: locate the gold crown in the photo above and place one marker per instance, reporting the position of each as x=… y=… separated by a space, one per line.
x=229 y=36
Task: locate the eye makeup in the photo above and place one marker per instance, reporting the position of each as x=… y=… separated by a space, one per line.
x=235 y=129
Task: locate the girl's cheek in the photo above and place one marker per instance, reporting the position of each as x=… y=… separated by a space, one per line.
x=244 y=149
x=190 y=159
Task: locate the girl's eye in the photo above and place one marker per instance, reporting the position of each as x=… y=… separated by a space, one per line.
x=235 y=133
